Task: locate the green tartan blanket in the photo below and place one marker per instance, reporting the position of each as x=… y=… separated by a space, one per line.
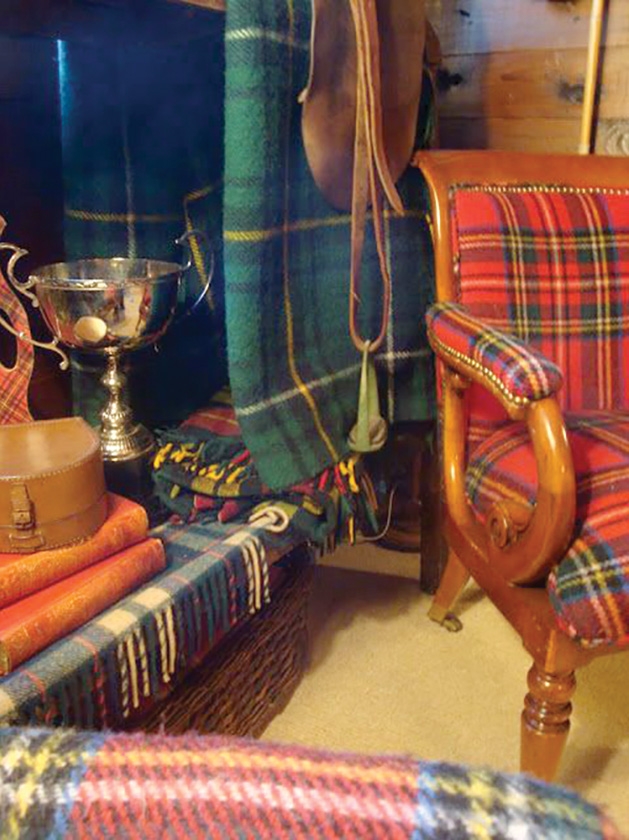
x=207 y=134
x=293 y=370
x=204 y=466
x=142 y=135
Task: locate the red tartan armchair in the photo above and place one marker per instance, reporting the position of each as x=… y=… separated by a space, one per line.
x=531 y=333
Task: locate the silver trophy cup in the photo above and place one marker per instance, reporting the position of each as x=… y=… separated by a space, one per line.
x=110 y=306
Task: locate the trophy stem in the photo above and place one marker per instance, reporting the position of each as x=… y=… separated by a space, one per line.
x=121 y=438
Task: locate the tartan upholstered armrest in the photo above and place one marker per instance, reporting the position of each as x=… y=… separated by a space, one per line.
x=505 y=364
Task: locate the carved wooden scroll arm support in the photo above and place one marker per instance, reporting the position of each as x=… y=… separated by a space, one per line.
x=523 y=545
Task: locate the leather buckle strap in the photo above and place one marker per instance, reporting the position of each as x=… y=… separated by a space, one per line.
x=23 y=518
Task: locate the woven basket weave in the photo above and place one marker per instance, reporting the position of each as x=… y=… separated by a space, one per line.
x=251 y=675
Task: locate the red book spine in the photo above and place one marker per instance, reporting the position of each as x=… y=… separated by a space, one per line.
x=32 y=624
x=24 y=574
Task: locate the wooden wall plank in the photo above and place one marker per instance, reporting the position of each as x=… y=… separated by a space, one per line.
x=612 y=137
x=490 y=26
x=528 y=134
x=546 y=83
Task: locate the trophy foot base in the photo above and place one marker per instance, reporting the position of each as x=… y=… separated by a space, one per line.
x=127 y=460
x=127 y=445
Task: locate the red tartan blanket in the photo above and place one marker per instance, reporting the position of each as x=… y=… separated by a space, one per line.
x=67 y=784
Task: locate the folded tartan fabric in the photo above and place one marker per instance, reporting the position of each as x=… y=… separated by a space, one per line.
x=67 y=784
x=130 y=654
x=519 y=371
x=204 y=466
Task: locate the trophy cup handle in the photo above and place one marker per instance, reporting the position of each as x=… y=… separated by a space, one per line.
x=23 y=286
x=184 y=239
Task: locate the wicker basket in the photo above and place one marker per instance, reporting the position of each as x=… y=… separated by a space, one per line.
x=251 y=675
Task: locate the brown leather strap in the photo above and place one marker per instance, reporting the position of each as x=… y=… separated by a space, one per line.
x=360 y=116
x=366 y=23
x=368 y=172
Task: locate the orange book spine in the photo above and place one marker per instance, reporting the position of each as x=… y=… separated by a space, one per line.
x=24 y=574
x=41 y=619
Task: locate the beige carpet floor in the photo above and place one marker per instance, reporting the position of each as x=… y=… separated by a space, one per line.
x=383 y=678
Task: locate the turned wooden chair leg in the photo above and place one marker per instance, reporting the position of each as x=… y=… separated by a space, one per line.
x=452 y=584
x=545 y=721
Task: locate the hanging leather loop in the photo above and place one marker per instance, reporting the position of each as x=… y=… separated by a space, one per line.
x=370 y=431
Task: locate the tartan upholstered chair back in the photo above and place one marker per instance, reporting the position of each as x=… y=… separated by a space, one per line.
x=531 y=335
x=551 y=265
x=548 y=263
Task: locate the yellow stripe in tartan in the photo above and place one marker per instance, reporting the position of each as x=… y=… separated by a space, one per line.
x=518 y=269
x=594 y=581
x=496 y=489
x=604 y=344
x=33 y=766
x=606 y=434
x=223 y=396
x=152 y=597
x=568 y=241
x=202 y=192
x=338 y=220
x=209 y=487
x=567 y=327
x=541 y=803
x=197 y=256
x=481 y=797
x=117 y=621
x=290 y=337
x=236 y=759
x=7 y=705
x=121 y=218
x=592 y=482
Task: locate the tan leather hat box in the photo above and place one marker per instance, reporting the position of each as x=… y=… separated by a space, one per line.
x=52 y=484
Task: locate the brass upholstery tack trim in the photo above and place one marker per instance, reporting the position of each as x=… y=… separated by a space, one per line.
x=527 y=188
x=477 y=367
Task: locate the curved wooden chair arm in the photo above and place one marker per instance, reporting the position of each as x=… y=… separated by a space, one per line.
x=521 y=544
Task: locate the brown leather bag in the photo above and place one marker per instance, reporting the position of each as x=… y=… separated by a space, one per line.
x=366 y=69
x=52 y=484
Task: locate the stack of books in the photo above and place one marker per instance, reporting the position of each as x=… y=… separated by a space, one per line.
x=48 y=594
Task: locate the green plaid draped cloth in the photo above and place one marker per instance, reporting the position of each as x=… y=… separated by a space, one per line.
x=293 y=369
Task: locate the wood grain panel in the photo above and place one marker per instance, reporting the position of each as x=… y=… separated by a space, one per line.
x=612 y=137
x=529 y=134
x=520 y=84
x=490 y=26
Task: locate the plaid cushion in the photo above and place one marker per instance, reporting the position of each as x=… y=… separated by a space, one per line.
x=520 y=372
x=67 y=784
x=552 y=267
x=589 y=589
